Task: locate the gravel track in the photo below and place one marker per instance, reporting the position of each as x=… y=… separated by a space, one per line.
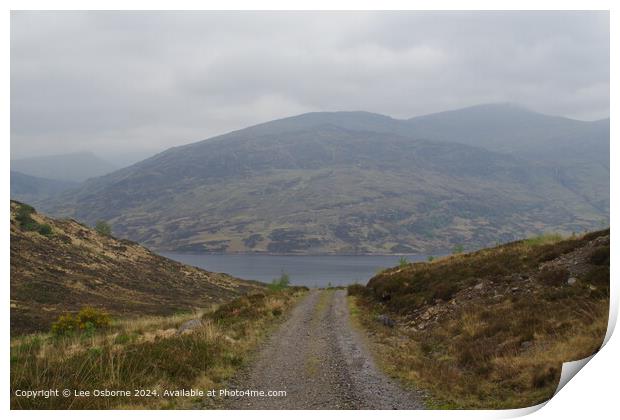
x=321 y=363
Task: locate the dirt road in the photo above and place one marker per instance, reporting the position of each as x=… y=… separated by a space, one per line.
x=321 y=363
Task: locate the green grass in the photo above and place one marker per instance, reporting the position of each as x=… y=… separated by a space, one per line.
x=544 y=239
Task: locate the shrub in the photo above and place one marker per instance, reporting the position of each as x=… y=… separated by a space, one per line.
x=65 y=325
x=23 y=216
x=430 y=258
x=95 y=317
x=24 y=211
x=86 y=321
x=26 y=222
x=458 y=249
x=30 y=225
x=103 y=228
x=45 y=229
x=280 y=283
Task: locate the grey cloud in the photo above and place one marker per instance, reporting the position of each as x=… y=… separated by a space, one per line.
x=112 y=82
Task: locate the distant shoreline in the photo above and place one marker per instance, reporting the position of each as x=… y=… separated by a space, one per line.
x=272 y=254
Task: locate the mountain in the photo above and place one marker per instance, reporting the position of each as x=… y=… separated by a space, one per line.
x=62 y=265
x=350 y=182
x=509 y=128
x=33 y=189
x=73 y=167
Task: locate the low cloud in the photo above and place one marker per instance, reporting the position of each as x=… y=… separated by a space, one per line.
x=125 y=82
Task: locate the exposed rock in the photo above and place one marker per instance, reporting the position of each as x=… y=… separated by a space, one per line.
x=479 y=286
x=189 y=326
x=571 y=281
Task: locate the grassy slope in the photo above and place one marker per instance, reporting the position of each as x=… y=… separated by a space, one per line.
x=148 y=354
x=75 y=266
x=490 y=329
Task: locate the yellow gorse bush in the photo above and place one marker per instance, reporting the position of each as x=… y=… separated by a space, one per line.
x=87 y=318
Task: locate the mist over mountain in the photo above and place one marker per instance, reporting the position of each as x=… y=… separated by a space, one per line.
x=513 y=129
x=357 y=182
x=74 y=167
x=32 y=189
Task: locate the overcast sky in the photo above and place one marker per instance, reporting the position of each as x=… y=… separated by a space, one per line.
x=140 y=82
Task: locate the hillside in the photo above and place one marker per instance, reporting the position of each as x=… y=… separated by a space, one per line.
x=491 y=329
x=62 y=265
x=32 y=189
x=353 y=183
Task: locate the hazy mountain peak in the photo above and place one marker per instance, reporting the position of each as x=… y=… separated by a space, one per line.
x=357 y=120
x=74 y=167
x=507 y=109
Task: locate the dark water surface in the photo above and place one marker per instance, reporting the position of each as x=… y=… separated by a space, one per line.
x=306 y=270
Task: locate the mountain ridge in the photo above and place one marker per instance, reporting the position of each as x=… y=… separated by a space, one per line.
x=328 y=183
x=32 y=189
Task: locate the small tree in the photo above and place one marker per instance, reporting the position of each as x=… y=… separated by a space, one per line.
x=430 y=258
x=402 y=262
x=103 y=228
x=280 y=283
